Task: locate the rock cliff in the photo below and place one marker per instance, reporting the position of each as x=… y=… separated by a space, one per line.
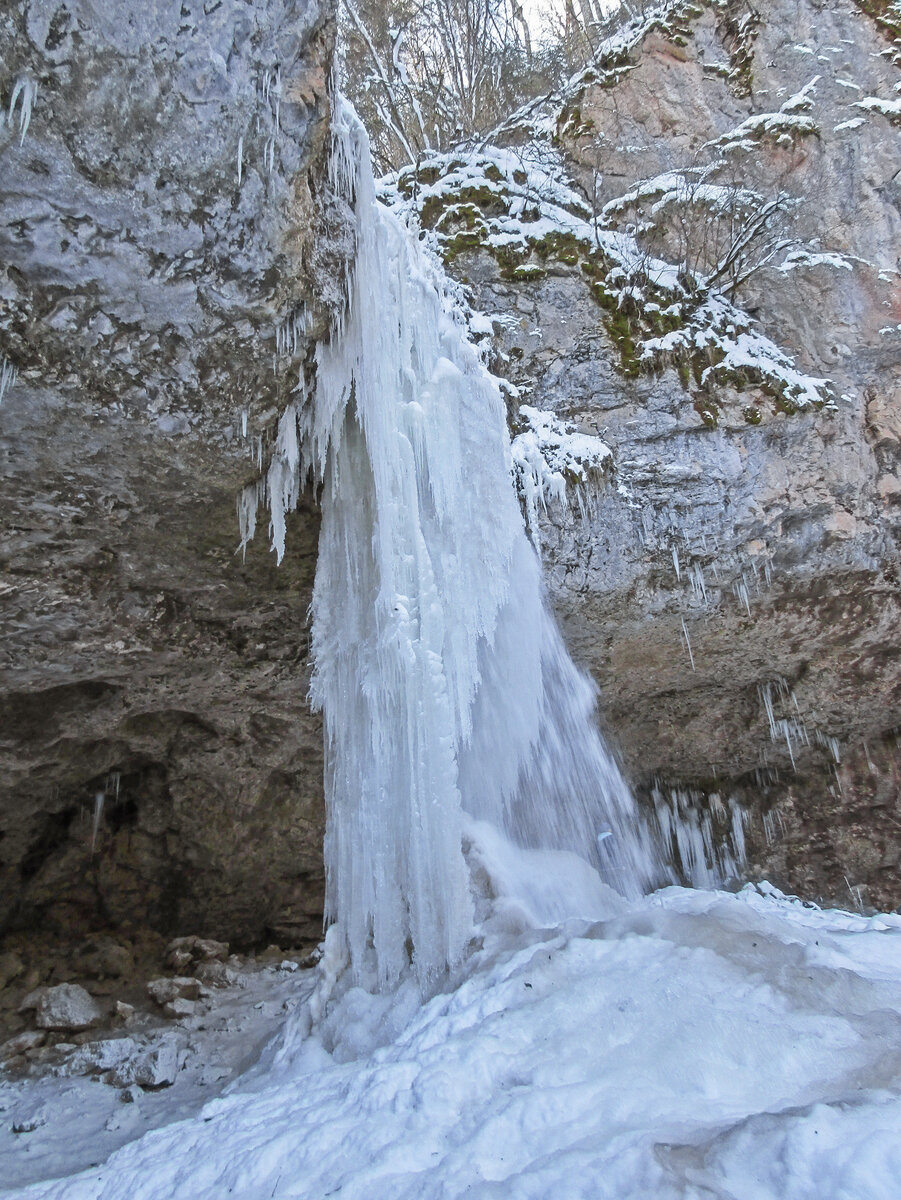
x=165 y=252
x=168 y=253
x=734 y=587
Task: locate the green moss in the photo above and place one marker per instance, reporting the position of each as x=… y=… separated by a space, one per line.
x=738 y=25
x=465 y=215
x=432 y=210
x=619 y=326
x=752 y=415
x=886 y=14
x=461 y=242
x=785 y=404
x=528 y=271
x=707 y=412
x=428 y=174
x=494 y=173
x=558 y=243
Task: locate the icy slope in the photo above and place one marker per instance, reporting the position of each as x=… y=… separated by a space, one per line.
x=691 y=1045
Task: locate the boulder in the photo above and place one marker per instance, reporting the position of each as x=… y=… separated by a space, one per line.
x=184 y=950
x=66 y=1006
x=154 y=1067
x=105 y=960
x=104 y=1055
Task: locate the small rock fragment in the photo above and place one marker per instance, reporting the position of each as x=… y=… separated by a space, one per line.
x=28 y=1040
x=162 y=991
x=124 y=1011
x=105 y=960
x=179 y=1007
x=11 y=967
x=216 y=974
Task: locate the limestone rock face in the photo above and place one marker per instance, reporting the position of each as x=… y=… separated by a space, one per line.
x=165 y=243
x=768 y=542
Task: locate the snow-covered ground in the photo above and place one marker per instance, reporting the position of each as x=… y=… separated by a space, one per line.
x=692 y=1044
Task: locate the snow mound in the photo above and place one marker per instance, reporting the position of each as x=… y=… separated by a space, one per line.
x=690 y=1045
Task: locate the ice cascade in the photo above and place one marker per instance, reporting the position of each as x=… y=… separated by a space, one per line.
x=448 y=696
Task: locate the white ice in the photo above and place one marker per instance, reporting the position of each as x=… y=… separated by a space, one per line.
x=446 y=689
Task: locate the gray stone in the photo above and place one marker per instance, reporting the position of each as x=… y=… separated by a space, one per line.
x=98 y=1057
x=217 y=974
x=106 y=960
x=66 y=1006
x=183 y=987
x=158 y=1066
x=29 y=1039
x=179 y=1008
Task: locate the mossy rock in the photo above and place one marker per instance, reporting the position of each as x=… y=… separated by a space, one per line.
x=528 y=271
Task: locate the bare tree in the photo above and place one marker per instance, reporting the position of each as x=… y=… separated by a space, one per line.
x=719 y=231
x=429 y=74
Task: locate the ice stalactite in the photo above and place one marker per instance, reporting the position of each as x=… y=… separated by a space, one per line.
x=446 y=688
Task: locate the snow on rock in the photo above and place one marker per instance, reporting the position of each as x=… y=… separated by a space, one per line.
x=791 y=121
x=886 y=108
x=517 y=205
x=689 y=1045
x=66 y=1006
x=550 y=456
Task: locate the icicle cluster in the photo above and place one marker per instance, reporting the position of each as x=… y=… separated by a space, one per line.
x=444 y=682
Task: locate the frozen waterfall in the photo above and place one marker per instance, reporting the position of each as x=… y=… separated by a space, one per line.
x=448 y=696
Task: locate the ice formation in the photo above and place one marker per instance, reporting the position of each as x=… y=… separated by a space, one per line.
x=449 y=698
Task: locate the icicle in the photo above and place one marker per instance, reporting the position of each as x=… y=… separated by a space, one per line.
x=240 y=158
x=25 y=90
x=248 y=503
x=698 y=586
x=740 y=591
x=8 y=377
x=676 y=564
x=691 y=657
x=98 y=816
x=870 y=764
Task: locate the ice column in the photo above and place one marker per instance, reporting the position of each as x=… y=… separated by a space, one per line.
x=445 y=685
